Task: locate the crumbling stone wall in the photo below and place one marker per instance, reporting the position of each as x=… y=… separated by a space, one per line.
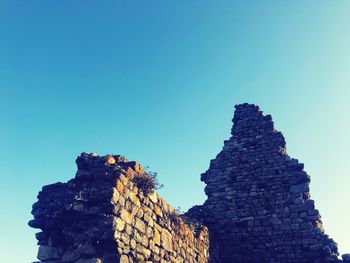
x=102 y=216
x=258 y=209
x=259 y=206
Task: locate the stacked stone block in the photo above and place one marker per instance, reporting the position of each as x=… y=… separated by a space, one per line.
x=102 y=216
x=259 y=206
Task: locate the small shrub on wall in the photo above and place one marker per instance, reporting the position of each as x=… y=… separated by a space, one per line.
x=147 y=182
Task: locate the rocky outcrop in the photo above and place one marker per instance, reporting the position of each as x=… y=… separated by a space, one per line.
x=259 y=206
x=103 y=216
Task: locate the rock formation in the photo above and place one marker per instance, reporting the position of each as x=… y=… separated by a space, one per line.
x=258 y=209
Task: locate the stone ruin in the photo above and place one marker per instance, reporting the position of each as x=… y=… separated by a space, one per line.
x=102 y=216
x=259 y=206
x=258 y=209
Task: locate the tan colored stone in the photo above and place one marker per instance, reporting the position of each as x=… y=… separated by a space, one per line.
x=140 y=225
x=137 y=167
x=110 y=160
x=126 y=216
x=133 y=243
x=121 y=201
x=135 y=210
x=158 y=210
x=151 y=245
x=140 y=258
x=146 y=209
x=128 y=229
x=140 y=213
x=126 y=250
x=125 y=238
x=124 y=259
x=117 y=235
x=156 y=237
x=149 y=232
x=119 y=186
x=166 y=239
x=144 y=251
x=123 y=179
x=148 y=219
x=134 y=199
x=135 y=189
x=156 y=257
x=153 y=197
x=115 y=196
x=158 y=227
x=137 y=236
x=119 y=223
x=144 y=241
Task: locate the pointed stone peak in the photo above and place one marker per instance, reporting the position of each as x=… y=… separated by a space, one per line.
x=251 y=128
x=258 y=198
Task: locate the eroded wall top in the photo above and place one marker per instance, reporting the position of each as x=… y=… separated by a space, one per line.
x=259 y=206
x=103 y=216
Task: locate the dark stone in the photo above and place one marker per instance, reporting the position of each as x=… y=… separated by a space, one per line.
x=258 y=210
x=255 y=191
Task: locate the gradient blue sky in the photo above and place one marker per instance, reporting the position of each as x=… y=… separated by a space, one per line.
x=157 y=82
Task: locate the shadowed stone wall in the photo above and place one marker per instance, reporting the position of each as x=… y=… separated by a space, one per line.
x=102 y=216
x=259 y=206
x=258 y=209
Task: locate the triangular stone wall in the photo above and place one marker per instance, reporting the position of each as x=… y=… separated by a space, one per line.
x=259 y=206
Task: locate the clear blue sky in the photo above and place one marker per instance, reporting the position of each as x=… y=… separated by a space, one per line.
x=157 y=82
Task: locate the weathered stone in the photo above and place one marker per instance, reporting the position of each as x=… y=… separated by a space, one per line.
x=166 y=240
x=119 y=223
x=126 y=216
x=110 y=160
x=47 y=253
x=317 y=246
x=158 y=210
x=70 y=255
x=257 y=192
x=134 y=199
x=300 y=188
x=156 y=237
x=259 y=209
x=123 y=179
x=346 y=257
x=119 y=186
x=133 y=243
x=153 y=197
x=124 y=259
x=140 y=225
x=149 y=232
x=144 y=251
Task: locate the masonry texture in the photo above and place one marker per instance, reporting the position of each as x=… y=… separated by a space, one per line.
x=102 y=216
x=258 y=209
x=259 y=205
